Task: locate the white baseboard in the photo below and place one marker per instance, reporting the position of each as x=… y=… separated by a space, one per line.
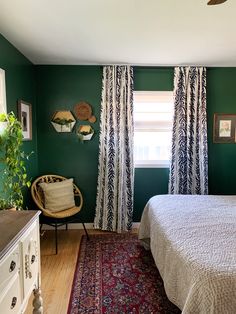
x=88 y=225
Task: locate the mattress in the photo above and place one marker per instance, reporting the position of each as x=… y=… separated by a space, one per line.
x=193 y=241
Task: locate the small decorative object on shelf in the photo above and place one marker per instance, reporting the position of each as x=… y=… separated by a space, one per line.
x=63 y=121
x=85 y=133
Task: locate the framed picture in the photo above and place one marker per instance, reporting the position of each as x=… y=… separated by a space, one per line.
x=224 y=128
x=25 y=117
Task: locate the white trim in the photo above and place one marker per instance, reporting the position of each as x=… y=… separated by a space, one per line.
x=150 y=165
x=3 y=101
x=88 y=225
x=151 y=96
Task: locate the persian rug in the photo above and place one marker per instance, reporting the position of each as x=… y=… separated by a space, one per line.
x=115 y=274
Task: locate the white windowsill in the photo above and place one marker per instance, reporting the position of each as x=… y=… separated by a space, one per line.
x=151 y=166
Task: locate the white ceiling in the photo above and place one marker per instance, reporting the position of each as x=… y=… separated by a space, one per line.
x=136 y=32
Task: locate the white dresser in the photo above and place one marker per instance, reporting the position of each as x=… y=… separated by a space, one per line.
x=19 y=261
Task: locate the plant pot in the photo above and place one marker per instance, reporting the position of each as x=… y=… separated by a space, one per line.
x=85 y=132
x=63 y=127
x=87 y=137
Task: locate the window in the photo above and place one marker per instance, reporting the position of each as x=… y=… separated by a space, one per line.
x=153 y=115
x=3 y=108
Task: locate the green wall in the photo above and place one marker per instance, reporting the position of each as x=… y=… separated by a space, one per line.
x=60 y=88
x=20 y=84
x=221 y=98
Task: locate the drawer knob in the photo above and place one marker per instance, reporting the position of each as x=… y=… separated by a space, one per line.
x=12 y=266
x=13 y=302
x=32 y=259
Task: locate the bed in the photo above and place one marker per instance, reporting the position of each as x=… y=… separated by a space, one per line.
x=193 y=242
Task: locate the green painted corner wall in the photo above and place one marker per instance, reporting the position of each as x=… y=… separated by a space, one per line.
x=51 y=88
x=20 y=84
x=61 y=87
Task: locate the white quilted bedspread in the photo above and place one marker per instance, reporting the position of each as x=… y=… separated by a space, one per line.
x=193 y=242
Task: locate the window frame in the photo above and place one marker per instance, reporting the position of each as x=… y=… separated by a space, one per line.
x=3 y=101
x=153 y=163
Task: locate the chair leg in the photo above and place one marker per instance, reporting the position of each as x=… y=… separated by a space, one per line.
x=66 y=226
x=85 y=231
x=40 y=230
x=56 y=236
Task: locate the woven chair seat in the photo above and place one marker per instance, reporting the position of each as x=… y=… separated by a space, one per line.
x=63 y=213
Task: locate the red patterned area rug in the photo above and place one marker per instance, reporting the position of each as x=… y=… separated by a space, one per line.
x=115 y=274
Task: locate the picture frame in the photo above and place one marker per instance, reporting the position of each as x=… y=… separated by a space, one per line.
x=224 y=128
x=25 y=117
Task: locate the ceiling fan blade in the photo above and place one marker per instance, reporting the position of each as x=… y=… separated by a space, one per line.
x=212 y=2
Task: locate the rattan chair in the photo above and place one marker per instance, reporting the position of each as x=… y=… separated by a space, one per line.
x=56 y=219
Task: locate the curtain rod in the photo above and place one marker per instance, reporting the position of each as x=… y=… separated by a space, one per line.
x=139 y=66
x=153 y=66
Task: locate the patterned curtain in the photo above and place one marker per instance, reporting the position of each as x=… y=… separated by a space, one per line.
x=114 y=204
x=189 y=160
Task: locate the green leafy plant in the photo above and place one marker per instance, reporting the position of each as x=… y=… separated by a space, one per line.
x=12 y=169
x=3 y=117
x=64 y=124
x=62 y=121
x=84 y=131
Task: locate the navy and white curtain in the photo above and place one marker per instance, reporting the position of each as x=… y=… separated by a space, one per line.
x=189 y=160
x=114 y=204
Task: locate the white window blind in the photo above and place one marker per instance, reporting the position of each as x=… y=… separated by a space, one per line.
x=153 y=118
x=3 y=106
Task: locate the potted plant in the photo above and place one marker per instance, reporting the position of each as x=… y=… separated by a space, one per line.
x=85 y=133
x=63 y=121
x=12 y=168
x=63 y=125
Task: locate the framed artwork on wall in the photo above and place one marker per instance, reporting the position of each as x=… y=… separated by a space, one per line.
x=25 y=117
x=224 y=128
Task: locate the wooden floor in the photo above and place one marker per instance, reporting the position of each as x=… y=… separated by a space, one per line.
x=57 y=271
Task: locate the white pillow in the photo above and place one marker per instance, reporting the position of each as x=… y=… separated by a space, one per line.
x=58 y=195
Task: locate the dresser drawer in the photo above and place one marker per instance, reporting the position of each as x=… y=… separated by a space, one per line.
x=9 y=266
x=10 y=300
x=30 y=255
